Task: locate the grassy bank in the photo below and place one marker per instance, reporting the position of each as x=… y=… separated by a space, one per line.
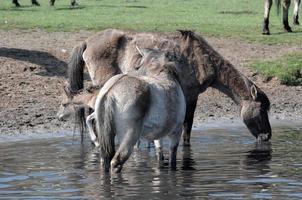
x=288 y=69
x=231 y=18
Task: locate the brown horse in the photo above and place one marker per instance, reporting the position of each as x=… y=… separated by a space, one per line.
x=285 y=5
x=111 y=52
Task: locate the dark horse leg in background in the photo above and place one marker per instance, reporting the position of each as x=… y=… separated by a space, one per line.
x=34 y=2
x=267 y=8
x=187 y=126
x=285 y=6
x=72 y=2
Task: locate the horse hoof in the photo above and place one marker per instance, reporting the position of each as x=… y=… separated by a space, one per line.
x=117 y=169
x=263 y=137
x=186 y=143
x=96 y=144
x=296 y=20
x=288 y=29
x=266 y=32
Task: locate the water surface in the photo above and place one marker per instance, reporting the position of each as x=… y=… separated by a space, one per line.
x=222 y=163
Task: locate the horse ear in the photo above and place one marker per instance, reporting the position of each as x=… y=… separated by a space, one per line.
x=67 y=91
x=254 y=92
x=143 y=52
x=139 y=50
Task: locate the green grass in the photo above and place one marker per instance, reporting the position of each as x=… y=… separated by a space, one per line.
x=223 y=18
x=288 y=68
x=239 y=19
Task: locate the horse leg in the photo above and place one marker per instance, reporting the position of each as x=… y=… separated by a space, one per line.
x=187 y=126
x=16 y=3
x=126 y=147
x=52 y=2
x=73 y=3
x=35 y=3
x=159 y=149
x=267 y=8
x=296 y=11
x=286 y=26
x=174 y=141
x=89 y=123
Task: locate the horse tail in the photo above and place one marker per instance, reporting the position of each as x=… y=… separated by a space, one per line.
x=76 y=80
x=278 y=5
x=104 y=109
x=76 y=68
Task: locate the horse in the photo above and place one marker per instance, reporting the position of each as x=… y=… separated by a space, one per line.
x=71 y=101
x=113 y=51
x=151 y=106
x=36 y=3
x=285 y=5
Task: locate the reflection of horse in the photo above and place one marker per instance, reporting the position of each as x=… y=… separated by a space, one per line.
x=36 y=3
x=131 y=107
x=285 y=5
x=257 y=164
x=114 y=51
x=261 y=154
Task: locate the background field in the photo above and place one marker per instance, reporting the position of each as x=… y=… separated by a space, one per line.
x=237 y=19
x=231 y=18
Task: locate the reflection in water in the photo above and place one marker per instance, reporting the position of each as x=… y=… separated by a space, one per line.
x=187 y=159
x=220 y=164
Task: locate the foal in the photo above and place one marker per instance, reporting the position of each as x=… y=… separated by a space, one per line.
x=151 y=106
x=71 y=101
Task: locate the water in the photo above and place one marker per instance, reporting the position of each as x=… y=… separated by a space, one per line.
x=222 y=163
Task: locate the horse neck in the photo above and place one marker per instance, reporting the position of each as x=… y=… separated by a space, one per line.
x=232 y=83
x=212 y=70
x=85 y=99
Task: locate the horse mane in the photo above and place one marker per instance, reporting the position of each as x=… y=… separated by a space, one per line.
x=262 y=97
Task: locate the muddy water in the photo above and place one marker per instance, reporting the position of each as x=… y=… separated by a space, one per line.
x=222 y=163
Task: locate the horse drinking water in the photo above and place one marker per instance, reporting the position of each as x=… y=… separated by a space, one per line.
x=112 y=52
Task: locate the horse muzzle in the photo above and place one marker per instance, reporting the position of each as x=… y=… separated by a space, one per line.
x=61 y=117
x=262 y=137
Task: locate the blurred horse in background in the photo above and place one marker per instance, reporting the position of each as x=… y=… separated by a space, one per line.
x=51 y=2
x=285 y=5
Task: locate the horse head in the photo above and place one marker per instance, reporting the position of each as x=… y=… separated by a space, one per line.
x=154 y=62
x=66 y=107
x=255 y=114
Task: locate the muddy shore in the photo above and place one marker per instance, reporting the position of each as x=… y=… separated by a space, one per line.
x=33 y=70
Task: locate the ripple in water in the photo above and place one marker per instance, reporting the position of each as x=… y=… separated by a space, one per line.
x=220 y=164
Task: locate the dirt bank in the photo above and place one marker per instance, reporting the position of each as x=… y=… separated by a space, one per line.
x=33 y=71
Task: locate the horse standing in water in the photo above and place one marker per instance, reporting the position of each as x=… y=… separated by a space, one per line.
x=72 y=101
x=151 y=106
x=285 y=5
x=112 y=52
x=36 y=3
